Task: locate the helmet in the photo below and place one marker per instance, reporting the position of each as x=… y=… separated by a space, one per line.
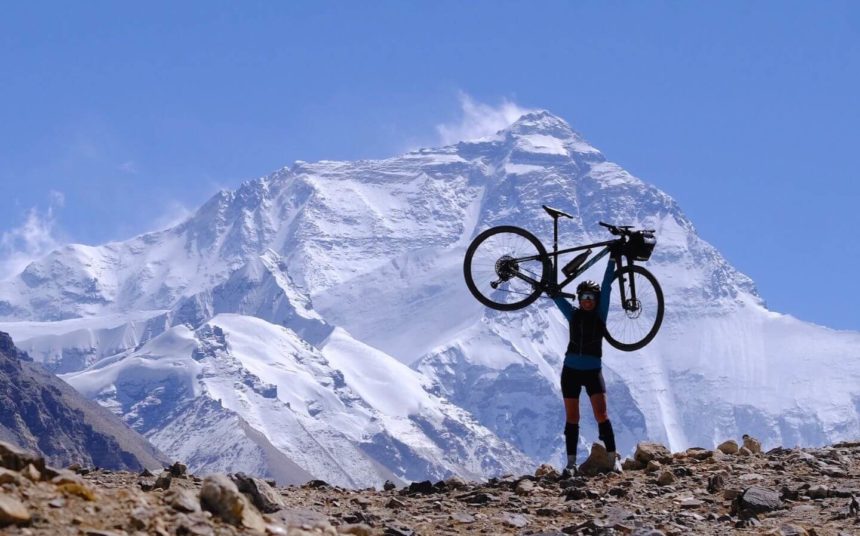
x=588 y=286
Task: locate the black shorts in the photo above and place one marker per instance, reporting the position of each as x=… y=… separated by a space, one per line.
x=573 y=380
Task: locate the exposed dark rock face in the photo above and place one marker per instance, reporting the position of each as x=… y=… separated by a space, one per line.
x=42 y=413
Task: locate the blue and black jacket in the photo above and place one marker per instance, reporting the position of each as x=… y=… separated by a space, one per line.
x=587 y=328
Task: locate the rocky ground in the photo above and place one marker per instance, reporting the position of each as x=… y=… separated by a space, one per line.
x=732 y=489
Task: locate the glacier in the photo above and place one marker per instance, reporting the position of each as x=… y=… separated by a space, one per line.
x=316 y=322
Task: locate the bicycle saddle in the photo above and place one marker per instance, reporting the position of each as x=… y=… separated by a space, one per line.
x=555 y=213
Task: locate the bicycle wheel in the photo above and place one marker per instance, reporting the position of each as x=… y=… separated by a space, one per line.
x=496 y=273
x=633 y=324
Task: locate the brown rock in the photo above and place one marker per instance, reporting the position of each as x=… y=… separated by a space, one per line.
x=182 y=500
x=666 y=478
x=220 y=496
x=9 y=477
x=32 y=473
x=653 y=466
x=72 y=484
x=632 y=464
x=14 y=458
x=728 y=447
x=524 y=487
x=261 y=493
x=646 y=451
x=743 y=451
x=12 y=512
x=752 y=444
x=698 y=453
x=546 y=471
x=598 y=461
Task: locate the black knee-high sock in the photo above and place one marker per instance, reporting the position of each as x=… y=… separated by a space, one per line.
x=571 y=437
x=606 y=434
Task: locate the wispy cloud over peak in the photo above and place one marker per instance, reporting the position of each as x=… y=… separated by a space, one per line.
x=480 y=120
x=35 y=237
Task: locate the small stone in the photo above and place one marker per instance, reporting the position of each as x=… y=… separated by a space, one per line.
x=516 y=521
x=456 y=482
x=163 y=481
x=72 y=484
x=818 y=492
x=752 y=444
x=388 y=485
x=743 y=451
x=699 y=453
x=146 y=472
x=9 y=477
x=59 y=502
x=653 y=466
x=666 y=478
x=220 y=496
x=178 y=469
x=758 y=500
x=524 y=487
x=716 y=483
x=462 y=517
x=12 y=512
x=792 y=530
x=690 y=502
x=632 y=464
x=548 y=512
x=31 y=473
x=728 y=447
x=547 y=471
x=647 y=451
x=182 y=500
x=358 y=529
x=266 y=499
x=394 y=503
x=423 y=488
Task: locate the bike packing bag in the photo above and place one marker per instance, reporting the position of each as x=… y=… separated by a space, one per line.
x=641 y=245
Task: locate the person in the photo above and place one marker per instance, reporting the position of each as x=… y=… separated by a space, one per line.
x=582 y=364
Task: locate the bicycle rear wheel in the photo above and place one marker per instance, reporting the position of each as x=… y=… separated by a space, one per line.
x=633 y=324
x=496 y=273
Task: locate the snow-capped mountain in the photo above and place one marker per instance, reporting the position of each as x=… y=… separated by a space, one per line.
x=341 y=271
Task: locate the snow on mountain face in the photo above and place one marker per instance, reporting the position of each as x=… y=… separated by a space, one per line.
x=376 y=248
x=334 y=413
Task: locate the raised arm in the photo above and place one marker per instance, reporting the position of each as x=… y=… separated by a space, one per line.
x=565 y=306
x=606 y=291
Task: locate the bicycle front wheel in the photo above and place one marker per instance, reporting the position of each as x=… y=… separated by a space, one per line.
x=505 y=267
x=635 y=314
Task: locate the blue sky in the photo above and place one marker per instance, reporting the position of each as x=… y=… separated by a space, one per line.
x=116 y=118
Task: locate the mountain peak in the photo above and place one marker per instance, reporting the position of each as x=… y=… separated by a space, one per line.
x=541 y=122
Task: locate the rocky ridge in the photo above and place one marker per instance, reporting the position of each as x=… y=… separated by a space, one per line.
x=732 y=489
x=45 y=414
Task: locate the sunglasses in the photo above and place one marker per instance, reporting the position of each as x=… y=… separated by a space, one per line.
x=587 y=297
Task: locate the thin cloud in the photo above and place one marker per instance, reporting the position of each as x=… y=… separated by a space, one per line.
x=479 y=120
x=34 y=238
x=174 y=214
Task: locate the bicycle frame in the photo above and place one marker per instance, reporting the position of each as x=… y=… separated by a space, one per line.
x=555 y=287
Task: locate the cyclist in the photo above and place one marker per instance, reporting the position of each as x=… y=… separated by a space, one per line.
x=582 y=364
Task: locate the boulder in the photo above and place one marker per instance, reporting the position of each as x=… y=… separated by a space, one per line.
x=647 y=451
x=728 y=447
x=752 y=444
x=598 y=461
x=12 y=512
x=220 y=496
x=666 y=478
x=264 y=497
x=757 y=500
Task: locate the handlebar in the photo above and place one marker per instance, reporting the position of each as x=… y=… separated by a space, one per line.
x=622 y=230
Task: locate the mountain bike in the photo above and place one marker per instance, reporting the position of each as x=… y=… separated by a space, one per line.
x=507 y=268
